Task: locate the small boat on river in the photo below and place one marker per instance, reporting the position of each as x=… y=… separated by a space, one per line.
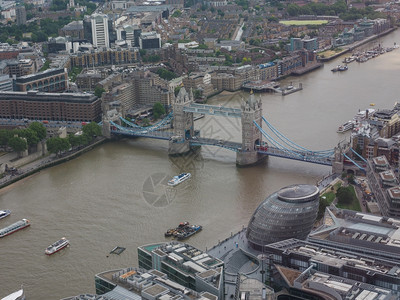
x=4 y=213
x=57 y=246
x=179 y=178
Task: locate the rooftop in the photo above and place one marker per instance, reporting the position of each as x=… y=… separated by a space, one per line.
x=370 y=234
x=380 y=161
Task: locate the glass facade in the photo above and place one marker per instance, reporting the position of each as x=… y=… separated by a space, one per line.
x=145 y=260
x=103 y=286
x=288 y=213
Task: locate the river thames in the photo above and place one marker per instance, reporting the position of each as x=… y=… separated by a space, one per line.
x=114 y=195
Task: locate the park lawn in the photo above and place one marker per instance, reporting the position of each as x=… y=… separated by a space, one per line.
x=330 y=196
x=354 y=205
x=303 y=22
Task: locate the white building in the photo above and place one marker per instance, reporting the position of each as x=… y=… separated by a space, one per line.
x=100 y=30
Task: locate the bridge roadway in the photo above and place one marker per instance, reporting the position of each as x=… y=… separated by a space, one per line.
x=213 y=110
x=197 y=141
x=161 y=134
x=297 y=155
x=233 y=146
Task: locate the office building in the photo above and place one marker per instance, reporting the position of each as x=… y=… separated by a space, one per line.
x=100 y=34
x=137 y=284
x=20 y=13
x=149 y=40
x=304 y=256
x=384 y=185
x=288 y=213
x=355 y=232
x=6 y=83
x=185 y=265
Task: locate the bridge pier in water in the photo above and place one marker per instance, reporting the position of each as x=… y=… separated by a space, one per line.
x=251 y=135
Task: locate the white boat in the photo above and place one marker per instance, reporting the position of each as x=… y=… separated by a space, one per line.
x=18 y=295
x=57 y=246
x=363 y=115
x=346 y=126
x=4 y=213
x=14 y=227
x=179 y=178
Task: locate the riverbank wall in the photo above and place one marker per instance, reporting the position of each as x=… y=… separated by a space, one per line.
x=353 y=46
x=47 y=164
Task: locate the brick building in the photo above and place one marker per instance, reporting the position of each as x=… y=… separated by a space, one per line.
x=36 y=105
x=51 y=80
x=104 y=56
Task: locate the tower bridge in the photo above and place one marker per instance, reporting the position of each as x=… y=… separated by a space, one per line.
x=257 y=142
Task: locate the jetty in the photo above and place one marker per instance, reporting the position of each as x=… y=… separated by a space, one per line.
x=261 y=86
x=291 y=89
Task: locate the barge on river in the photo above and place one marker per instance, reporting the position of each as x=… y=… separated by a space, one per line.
x=183 y=231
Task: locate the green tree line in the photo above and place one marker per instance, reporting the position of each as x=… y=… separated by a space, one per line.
x=337 y=9
x=20 y=139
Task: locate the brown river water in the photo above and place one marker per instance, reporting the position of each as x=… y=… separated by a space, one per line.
x=112 y=195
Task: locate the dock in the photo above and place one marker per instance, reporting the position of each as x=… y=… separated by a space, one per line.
x=291 y=89
x=261 y=86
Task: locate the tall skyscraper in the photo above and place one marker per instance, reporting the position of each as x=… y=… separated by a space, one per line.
x=100 y=33
x=21 y=15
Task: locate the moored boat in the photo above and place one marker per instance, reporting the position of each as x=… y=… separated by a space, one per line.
x=183 y=231
x=179 y=178
x=4 y=213
x=14 y=227
x=346 y=126
x=190 y=230
x=57 y=246
x=349 y=59
x=340 y=68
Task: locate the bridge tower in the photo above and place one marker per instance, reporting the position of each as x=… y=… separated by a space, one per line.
x=183 y=124
x=108 y=116
x=337 y=164
x=251 y=136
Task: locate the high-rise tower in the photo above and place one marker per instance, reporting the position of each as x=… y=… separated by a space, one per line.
x=100 y=34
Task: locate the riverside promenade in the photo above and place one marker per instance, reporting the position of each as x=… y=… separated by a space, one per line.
x=351 y=47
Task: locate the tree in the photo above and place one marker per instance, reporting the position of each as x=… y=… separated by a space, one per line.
x=56 y=145
x=98 y=91
x=344 y=195
x=18 y=144
x=31 y=136
x=158 y=110
x=177 y=13
x=146 y=122
x=92 y=129
x=197 y=94
x=39 y=128
x=73 y=140
x=176 y=90
x=5 y=135
x=165 y=74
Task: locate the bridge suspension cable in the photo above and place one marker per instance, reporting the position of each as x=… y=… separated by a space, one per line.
x=355 y=152
x=275 y=143
x=295 y=146
x=354 y=163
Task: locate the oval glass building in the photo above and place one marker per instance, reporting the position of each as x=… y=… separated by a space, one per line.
x=288 y=213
